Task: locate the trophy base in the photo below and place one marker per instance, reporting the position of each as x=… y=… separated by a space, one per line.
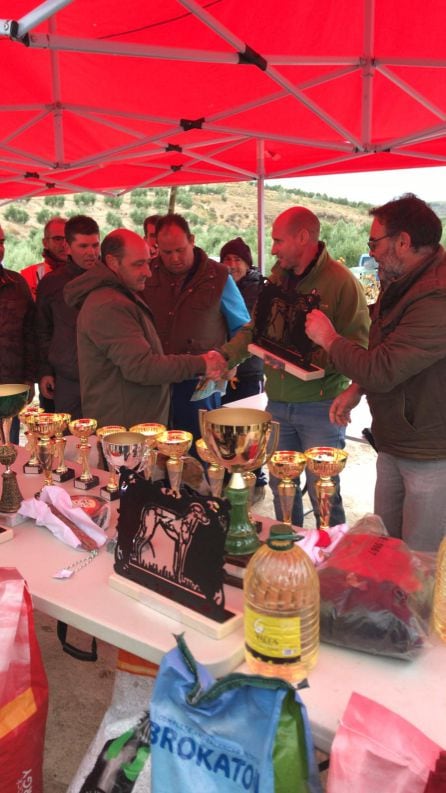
x=32 y=469
x=234 y=569
x=177 y=611
x=11 y=519
x=64 y=476
x=274 y=359
x=80 y=484
x=109 y=495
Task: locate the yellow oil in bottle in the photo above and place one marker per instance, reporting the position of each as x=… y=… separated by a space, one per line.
x=281 y=609
x=439 y=605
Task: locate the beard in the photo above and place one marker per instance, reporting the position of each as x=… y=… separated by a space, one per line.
x=390 y=267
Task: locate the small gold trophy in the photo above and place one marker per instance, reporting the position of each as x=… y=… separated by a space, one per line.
x=174 y=444
x=121 y=449
x=325 y=462
x=215 y=472
x=28 y=417
x=82 y=429
x=46 y=426
x=287 y=466
x=240 y=439
x=13 y=397
x=151 y=432
x=62 y=473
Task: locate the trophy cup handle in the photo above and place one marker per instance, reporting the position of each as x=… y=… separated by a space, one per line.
x=273 y=440
x=201 y=421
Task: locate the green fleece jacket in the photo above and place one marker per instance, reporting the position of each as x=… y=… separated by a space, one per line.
x=343 y=301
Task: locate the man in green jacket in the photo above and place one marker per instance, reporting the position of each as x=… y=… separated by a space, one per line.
x=403 y=373
x=302 y=407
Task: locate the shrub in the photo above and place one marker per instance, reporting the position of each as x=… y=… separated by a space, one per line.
x=114 y=220
x=15 y=214
x=85 y=199
x=55 y=200
x=113 y=201
x=43 y=216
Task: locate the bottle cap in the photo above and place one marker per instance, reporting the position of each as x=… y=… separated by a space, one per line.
x=281 y=537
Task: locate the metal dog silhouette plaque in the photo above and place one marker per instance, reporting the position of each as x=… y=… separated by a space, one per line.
x=173 y=543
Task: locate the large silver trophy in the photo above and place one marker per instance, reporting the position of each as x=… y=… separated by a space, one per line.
x=13 y=397
x=241 y=440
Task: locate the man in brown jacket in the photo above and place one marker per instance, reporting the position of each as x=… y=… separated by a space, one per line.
x=403 y=373
x=124 y=373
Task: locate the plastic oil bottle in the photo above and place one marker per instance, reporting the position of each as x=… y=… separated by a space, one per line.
x=281 y=608
x=439 y=606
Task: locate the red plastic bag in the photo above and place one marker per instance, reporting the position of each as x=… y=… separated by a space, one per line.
x=377 y=751
x=23 y=690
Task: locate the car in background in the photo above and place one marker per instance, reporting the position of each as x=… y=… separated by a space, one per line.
x=366 y=266
x=367 y=273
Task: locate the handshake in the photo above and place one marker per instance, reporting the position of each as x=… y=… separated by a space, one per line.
x=217 y=366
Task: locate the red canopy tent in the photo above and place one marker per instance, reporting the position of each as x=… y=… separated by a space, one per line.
x=108 y=97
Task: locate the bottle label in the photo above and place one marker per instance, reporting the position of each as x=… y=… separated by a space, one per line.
x=275 y=639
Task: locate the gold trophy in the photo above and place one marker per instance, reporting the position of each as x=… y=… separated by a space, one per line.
x=241 y=440
x=62 y=473
x=121 y=449
x=325 y=462
x=215 y=472
x=174 y=444
x=13 y=397
x=82 y=429
x=111 y=490
x=46 y=425
x=151 y=432
x=28 y=416
x=287 y=466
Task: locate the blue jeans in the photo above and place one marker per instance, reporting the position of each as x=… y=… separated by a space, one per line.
x=410 y=498
x=303 y=425
x=184 y=413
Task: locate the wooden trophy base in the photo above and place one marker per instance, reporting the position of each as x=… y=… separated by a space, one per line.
x=80 y=484
x=109 y=495
x=65 y=476
x=175 y=611
x=270 y=358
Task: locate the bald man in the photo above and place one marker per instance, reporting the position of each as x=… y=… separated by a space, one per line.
x=302 y=407
x=124 y=374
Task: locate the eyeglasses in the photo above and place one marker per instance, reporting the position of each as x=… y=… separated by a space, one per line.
x=57 y=239
x=373 y=241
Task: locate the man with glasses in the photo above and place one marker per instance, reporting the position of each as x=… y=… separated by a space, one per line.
x=403 y=373
x=54 y=254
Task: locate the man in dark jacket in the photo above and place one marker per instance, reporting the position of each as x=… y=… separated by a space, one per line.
x=196 y=307
x=17 y=351
x=124 y=374
x=56 y=322
x=403 y=373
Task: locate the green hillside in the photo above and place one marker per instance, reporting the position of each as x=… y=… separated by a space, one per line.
x=216 y=213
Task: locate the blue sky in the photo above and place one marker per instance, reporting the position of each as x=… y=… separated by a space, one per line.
x=376 y=187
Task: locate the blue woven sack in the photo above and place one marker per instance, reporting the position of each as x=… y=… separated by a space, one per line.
x=239 y=733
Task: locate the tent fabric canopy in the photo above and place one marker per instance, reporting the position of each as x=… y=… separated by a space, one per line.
x=103 y=96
